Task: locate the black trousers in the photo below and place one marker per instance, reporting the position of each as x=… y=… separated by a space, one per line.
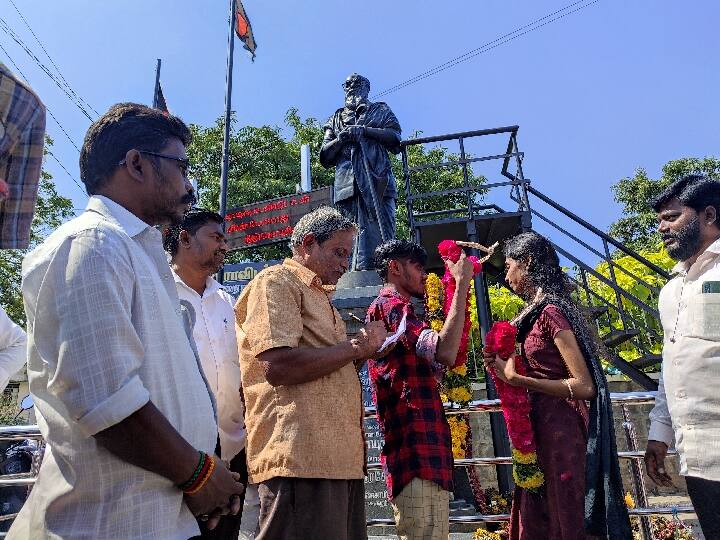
x=229 y=526
x=705 y=496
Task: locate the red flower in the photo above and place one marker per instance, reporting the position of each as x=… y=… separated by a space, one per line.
x=449 y=250
x=501 y=339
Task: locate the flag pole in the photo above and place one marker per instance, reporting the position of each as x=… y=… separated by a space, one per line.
x=157 y=84
x=226 y=136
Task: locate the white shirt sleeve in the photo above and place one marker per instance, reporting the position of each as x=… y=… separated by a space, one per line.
x=13 y=349
x=87 y=302
x=660 y=423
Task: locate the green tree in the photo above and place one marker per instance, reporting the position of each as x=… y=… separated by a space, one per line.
x=51 y=210
x=637 y=226
x=263 y=164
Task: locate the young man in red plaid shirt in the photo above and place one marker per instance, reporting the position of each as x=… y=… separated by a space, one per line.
x=417 y=454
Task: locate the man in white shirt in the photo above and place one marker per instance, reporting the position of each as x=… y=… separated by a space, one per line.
x=197 y=248
x=13 y=349
x=118 y=391
x=688 y=401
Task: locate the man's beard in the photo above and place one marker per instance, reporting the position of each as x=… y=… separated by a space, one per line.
x=214 y=263
x=688 y=240
x=167 y=212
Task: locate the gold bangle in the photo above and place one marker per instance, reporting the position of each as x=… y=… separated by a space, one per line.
x=567 y=383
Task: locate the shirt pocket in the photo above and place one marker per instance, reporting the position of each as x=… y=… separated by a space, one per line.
x=704 y=316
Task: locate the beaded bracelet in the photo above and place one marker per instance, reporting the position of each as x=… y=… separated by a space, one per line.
x=207 y=473
x=569 y=387
x=196 y=473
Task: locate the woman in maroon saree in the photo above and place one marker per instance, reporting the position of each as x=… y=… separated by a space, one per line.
x=560 y=355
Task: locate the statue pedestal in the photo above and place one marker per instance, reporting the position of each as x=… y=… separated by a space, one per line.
x=354 y=293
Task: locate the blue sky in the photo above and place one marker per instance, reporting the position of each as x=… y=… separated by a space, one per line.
x=616 y=86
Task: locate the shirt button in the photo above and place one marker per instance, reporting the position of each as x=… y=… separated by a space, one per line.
x=680 y=394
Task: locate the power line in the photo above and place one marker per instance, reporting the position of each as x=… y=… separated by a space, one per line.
x=54 y=118
x=9 y=31
x=52 y=61
x=64 y=169
x=17 y=68
x=506 y=38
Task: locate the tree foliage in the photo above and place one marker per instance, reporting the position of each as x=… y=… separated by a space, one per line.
x=637 y=226
x=51 y=210
x=264 y=164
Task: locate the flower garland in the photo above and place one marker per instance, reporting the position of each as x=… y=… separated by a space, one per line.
x=450 y=251
x=456 y=384
x=516 y=410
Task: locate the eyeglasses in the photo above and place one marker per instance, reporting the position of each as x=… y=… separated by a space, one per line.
x=183 y=162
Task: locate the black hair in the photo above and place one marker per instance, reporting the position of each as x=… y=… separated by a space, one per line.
x=544 y=271
x=694 y=190
x=395 y=250
x=124 y=127
x=194 y=219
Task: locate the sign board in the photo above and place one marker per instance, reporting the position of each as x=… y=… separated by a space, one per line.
x=237 y=276
x=271 y=221
x=376 y=495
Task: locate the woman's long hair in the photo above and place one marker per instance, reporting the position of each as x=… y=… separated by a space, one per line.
x=544 y=271
x=606 y=514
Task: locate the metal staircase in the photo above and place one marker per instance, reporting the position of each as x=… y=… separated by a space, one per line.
x=485 y=210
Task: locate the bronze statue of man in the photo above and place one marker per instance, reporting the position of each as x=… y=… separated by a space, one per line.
x=357 y=140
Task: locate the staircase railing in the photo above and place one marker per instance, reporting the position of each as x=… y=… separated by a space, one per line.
x=623 y=329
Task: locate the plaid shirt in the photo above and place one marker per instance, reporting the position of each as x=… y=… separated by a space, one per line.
x=22 y=134
x=409 y=410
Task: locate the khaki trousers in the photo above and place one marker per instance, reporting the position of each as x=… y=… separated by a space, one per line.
x=422 y=511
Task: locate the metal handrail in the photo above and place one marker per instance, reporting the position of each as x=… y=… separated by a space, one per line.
x=507 y=460
x=601 y=234
x=493 y=405
x=462 y=134
x=489 y=518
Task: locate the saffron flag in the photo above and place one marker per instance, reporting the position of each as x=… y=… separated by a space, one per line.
x=244 y=30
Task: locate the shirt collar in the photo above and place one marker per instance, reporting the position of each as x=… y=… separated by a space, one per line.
x=119 y=215
x=307 y=276
x=211 y=285
x=392 y=293
x=682 y=267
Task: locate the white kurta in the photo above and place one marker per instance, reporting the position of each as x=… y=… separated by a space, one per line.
x=106 y=336
x=688 y=401
x=213 y=321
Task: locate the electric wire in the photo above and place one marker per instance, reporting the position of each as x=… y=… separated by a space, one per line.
x=9 y=31
x=506 y=38
x=17 y=68
x=57 y=69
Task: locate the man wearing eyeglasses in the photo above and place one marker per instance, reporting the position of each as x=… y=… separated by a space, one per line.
x=118 y=389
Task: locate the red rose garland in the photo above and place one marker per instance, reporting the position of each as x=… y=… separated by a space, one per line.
x=449 y=250
x=516 y=410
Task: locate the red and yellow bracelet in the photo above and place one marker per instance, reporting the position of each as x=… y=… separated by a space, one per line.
x=203 y=477
x=202 y=473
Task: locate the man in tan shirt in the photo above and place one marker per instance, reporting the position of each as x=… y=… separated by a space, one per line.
x=305 y=444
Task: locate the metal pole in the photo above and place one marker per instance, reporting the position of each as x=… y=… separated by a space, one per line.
x=228 y=106
x=498 y=430
x=637 y=474
x=157 y=84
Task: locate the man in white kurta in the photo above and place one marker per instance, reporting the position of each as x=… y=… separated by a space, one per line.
x=119 y=394
x=687 y=407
